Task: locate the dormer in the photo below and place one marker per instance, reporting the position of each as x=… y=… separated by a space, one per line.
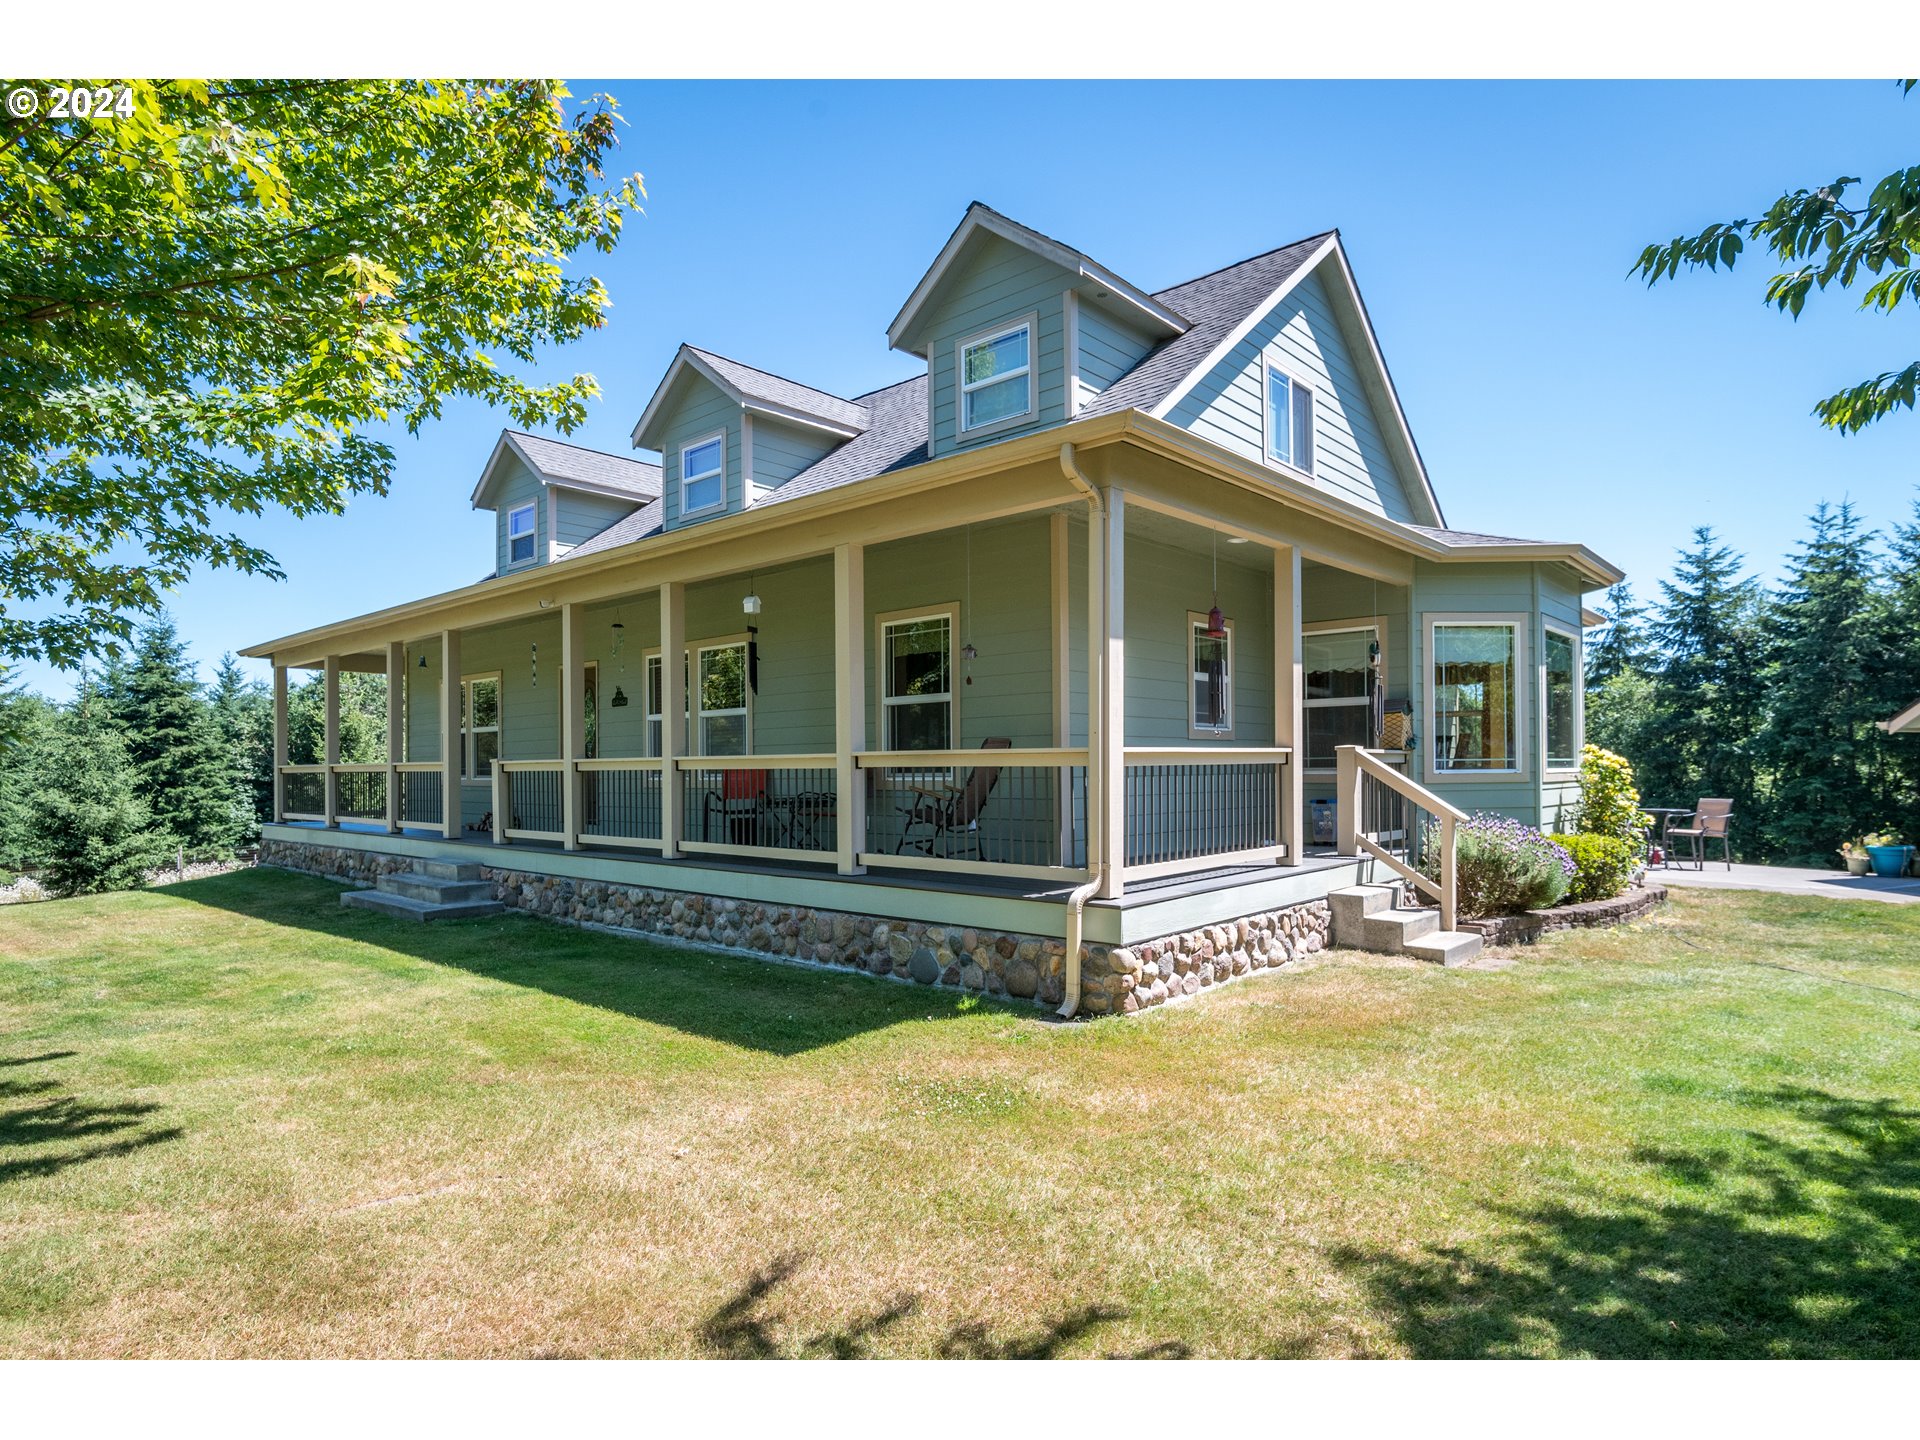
x=729 y=434
x=1019 y=331
x=548 y=496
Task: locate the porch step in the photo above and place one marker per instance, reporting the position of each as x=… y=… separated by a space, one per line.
x=1393 y=932
x=406 y=908
x=1447 y=947
x=447 y=869
x=1351 y=907
x=435 y=890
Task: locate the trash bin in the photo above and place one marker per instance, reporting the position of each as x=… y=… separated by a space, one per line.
x=1325 y=818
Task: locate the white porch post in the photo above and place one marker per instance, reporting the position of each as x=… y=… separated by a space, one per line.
x=850 y=703
x=1062 y=682
x=573 y=716
x=1289 y=700
x=450 y=734
x=396 y=728
x=673 y=710
x=330 y=681
x=1112 y=641
x=279 y=742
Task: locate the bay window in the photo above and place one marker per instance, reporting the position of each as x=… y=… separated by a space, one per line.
x=1475 y=720
x=1562 y=701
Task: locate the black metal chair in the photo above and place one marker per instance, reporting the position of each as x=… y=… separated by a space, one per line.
x=944 y=811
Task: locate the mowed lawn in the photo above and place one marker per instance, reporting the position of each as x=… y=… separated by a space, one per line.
x=236 y=1119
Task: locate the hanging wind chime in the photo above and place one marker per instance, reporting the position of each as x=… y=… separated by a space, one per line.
x=1216 y=622
x=534 y=663
x=619 y=701
x=1217 y=661
x=967 y=652
x=750 y=605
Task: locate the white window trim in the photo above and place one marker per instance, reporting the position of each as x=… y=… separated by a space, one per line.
x=1195 y=730
x=951 y=612
x=696 y=713
x=531 y=511
x=499 y=726
x=1521 y=625
x=1564 y=772
x=1272 y=359
x=1030 y=323
x=1378 y=625
x=695 y=444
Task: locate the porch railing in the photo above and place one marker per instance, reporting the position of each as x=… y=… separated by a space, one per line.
x=527 y=800
x=775 y=807
x=620 y=802
x=1017 y=813
x=303 y=792
x=408 y=793
x=419 y=786
x=1201 y=807
x=1384 y=814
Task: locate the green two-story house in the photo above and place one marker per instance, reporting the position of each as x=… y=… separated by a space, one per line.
x=1084 y=665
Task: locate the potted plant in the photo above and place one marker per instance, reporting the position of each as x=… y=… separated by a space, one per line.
x=1854 y=853
x=1889 y=857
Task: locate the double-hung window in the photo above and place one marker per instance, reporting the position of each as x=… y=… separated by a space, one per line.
x=703 y=468
x=1289 y=419
x=1210 y=698
x=520 y=532
x=1563 y=701
x=724 y=723
x=916 y=698
x=1476 y=719
x=996 y=377
x=479 y=725
x=1339 y=686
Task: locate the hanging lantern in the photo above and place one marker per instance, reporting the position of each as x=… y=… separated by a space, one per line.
x=423 y=662
x=750 y=602
x=1216 y=624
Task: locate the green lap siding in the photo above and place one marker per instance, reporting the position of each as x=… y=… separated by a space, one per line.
x=781 y=452
x=696 y=411
x=579 y=516
x=518 y=486
x=998 y=284
x=1108 y=350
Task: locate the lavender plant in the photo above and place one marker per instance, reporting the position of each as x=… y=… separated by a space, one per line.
x=1502 y=866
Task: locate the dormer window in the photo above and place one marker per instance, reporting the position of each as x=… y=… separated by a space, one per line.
x=520 y=534
x=1289 y=419
x=996 y=377
x=703 y=467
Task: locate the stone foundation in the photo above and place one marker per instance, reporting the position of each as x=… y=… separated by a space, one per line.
x=1113 y=980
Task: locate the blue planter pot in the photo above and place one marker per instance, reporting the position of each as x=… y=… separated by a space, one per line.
x=1889 y=861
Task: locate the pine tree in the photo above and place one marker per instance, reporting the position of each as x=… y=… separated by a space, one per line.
x=243 y=711
x=1622 y=645
x=363 y=719
x=1825 y=640
x=1899 y=672
x=178 y=754
x=26 y=723
x=85 y=823
x=1708 y=695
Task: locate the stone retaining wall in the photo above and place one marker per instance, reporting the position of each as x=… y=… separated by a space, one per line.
x=1530 y=925
x=1113 y=980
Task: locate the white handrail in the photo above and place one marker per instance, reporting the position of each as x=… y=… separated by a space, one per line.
x=942 y=759
x=1207 y=755
x=1357 y=763
x=684 y=763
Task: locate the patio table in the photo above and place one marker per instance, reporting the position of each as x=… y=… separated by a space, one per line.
x=1664 y=814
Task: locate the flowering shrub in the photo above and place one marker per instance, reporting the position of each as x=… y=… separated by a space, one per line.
x=1602 y=866
x=1609 y=803
x=1503 y=867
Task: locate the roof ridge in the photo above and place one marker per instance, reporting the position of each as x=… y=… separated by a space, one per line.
x=770 y=374
x=575 y=445
x=869 y=394
x=1235 y=265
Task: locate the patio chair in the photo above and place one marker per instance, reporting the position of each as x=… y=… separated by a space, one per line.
x=1709 y=821
x=740 y=803
x=941 y=812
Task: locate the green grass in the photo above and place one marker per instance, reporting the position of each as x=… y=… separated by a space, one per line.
x=238 y=1119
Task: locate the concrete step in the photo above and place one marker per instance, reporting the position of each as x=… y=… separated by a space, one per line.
x=1352 y=905
x=433 y=890
x=1389 y=932
x=1447 y=947
x=447 y=869
x=406 y=908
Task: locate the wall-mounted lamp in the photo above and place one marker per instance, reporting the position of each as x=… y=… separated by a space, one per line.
x=423 y=661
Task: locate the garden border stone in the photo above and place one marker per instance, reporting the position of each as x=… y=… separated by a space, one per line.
x=1530 y=925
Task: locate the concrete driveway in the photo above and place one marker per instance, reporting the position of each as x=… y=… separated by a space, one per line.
x=1785 y=880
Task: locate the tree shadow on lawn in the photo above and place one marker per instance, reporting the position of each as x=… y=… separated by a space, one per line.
x=754 y=1004
x=54 y=1128
x=747 y=1327
x=1789 y=1247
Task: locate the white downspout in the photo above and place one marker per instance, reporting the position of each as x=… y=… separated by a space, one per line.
x=1096 y=863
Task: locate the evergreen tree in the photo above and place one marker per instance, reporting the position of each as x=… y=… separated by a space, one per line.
x=243 y=711
x=26 y=723
x=1622 y=645
x=85 y=823
x=363 y=719
x=1707 y=702
x=1900 y=672
x=180 y=759
x=1621 y=715
x=1826 y=639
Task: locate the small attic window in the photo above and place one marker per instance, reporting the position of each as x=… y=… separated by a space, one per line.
x=520 y=534
x=1289 y=419
x=703 y=467
x=996 y=376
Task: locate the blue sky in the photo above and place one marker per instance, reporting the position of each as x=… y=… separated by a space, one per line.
x=1491 y=226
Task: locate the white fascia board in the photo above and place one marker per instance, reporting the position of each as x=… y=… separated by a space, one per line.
x=501 y=446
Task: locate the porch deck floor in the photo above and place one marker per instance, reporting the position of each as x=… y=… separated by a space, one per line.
x=1139 y=892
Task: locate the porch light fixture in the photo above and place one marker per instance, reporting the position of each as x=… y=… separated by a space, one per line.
x=750 y=602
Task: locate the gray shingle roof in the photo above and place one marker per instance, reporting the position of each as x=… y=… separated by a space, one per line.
x=645 y=521
x=1212 y=306
x=778 y=390
x=896 y=436
x=1470 y=537
x=560 y=462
